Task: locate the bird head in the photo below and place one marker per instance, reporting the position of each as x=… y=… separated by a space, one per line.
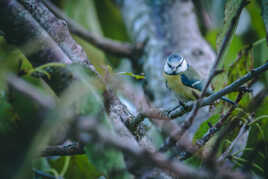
x=175 y=65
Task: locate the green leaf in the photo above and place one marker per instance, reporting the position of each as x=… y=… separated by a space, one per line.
x=241 y=66
x=7 y=116
x=89 y=20
x=44 y=69
x=106 y=160
x=111 y=20
x=256 y=19
x=138 y=77
x=260 y=54
x=84 y=13
x=203 y=128
x=79 y=167
x=264 y=7
x=260 y=50
x=194 y=161
x=259 y=134
x=112 y=25
x=10 y=56
x=233 y=49
x=258 y=119
x=231 y=10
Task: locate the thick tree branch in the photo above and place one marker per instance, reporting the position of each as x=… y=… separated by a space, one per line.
x=43 y=38
x=38 y=41
x=177 y=168
x=54 y=41
x=57 y=30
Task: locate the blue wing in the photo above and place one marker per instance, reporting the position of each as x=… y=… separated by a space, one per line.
x=192 y=82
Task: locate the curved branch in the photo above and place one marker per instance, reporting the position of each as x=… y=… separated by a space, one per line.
x=117 y=48
x=149 y=158
x=62 y=150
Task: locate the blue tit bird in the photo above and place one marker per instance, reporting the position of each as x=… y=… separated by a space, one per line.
x=184 y=80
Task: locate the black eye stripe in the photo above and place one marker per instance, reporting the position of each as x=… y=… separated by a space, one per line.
x=181 y=62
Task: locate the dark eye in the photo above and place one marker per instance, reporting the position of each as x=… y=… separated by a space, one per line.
x=178 y=66
x=169 y=65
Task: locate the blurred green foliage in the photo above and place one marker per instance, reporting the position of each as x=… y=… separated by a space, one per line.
x=78 y=167
x=88 y=19
x=105 y=160
x=112 y=25
x=256 y=19
x=231 y=10
x=84 y=97
x=257 y=140
x=204 y=127
x=264 y=8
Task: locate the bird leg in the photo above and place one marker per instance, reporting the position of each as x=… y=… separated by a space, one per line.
x=184 y=106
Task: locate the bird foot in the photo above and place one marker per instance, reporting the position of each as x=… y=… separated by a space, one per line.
x=181 y=104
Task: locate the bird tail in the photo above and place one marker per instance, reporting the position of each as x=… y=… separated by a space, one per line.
x=228 y=100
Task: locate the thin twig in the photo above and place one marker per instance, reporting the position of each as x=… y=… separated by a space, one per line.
x=213 y=70
x=236 y=84
x=226 y=90
x=214 y=129
x=207 y=136
x=256 y=101
x=111 y=46
x=187 y=124
x=62 y=150
x=208 y=100
x=210 y=159
x=223 y=46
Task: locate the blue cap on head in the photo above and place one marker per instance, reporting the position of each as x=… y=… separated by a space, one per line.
x=175 y=57
x=175 y=64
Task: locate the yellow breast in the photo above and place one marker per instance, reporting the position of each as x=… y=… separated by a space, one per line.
x=183 y=92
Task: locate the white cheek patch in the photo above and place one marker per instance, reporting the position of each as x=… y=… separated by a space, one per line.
x=166 y=68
